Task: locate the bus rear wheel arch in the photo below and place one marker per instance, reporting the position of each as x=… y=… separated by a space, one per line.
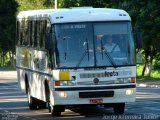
x=26 y=84
x=32 y=102
x=43 y=104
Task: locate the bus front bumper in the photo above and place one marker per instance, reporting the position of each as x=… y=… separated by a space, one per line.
x=94 y=94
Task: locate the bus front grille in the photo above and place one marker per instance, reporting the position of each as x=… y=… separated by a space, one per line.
x=92 y=83
x=96 y=94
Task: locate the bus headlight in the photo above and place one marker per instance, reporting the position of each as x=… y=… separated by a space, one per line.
x=129 y=92
x=63 y=83
x=125 y=80
x=62 y=94
x=71 y=82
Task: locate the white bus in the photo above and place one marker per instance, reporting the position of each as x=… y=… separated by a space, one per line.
x=63 y=59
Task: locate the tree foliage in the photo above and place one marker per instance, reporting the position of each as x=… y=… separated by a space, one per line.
x=145 y=19
x=82 y=3
x=37 y=4
x=7 y=28
x=145 y=16
x=30 y=4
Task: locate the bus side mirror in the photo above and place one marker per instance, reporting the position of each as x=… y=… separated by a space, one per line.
x=139 y=41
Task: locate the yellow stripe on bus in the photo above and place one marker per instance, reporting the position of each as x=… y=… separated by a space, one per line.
x=25 y=53
x=65 y=75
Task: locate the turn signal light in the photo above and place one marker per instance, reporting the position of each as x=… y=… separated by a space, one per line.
x=133 y=80
x=57 y=83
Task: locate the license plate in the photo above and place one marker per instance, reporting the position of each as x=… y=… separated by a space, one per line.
x=96 y=101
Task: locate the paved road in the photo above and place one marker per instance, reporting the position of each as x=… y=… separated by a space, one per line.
x=13 y=106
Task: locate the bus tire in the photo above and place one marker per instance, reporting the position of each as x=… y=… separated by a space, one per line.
x=47 y=94
x=26 y=84
x=32 y=102
x=42 y=104
x=56 y=110
x=49 y=107
x=119 y=108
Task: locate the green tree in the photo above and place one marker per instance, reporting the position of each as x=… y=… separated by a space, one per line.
x=30 y=4
x=146 y=18
x=82 y=3
x=7 y=27
x=69 y=3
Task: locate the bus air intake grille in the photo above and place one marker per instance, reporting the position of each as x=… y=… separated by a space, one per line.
x=96 y=94
x=92 y=75
x=100 y=82
x=103 y=74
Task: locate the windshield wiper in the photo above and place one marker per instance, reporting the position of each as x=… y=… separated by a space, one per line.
x=84 y=54
x=110 y=59
x=102 y=49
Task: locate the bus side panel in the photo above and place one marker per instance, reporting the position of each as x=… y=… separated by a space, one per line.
x=38 y=64
x=22 y=58
x=31 y=68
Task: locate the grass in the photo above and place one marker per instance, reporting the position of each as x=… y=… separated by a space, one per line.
x=155 y=74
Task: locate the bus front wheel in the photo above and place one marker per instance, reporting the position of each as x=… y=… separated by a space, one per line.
x=56 y=110
x=119 y=108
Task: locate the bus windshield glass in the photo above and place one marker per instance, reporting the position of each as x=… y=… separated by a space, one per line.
x=100 y=44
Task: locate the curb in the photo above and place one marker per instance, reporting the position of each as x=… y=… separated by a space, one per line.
x=147 y=85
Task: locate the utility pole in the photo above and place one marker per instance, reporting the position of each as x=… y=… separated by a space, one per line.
x=55 y=4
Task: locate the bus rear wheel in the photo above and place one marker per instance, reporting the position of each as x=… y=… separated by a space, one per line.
x=32 y=102
x=42 y=104
x=119 y=108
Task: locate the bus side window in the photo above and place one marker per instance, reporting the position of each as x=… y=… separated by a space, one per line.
x=44 y=28
x=18 y=33
x=28 y=32
x=42 y=34
x=22 y=31
x=38 y=33
x=31 y=32
x=35 y=33
x=25 y=33
x=21 y=37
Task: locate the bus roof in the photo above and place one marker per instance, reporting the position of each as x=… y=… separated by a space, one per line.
x=77 y=15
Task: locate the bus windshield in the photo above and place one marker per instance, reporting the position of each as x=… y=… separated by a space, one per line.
x=99 y=44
